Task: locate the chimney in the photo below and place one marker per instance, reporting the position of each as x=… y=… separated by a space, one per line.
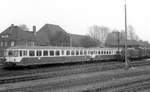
x=34 y=30
x=12 y=25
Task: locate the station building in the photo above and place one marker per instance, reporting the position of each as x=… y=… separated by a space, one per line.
x=14 y=35
x=48 y=35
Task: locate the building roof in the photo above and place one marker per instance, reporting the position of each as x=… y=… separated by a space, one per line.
x=76 y=39
x=16 y=33
x=50 y=34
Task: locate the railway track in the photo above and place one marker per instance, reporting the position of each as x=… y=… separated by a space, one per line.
x=41 y=69
x=60 y=72
x=128 y=84
x=49 y=68
x=75 y=71
x=137 y=86
x=104 y=80
x=64 y=71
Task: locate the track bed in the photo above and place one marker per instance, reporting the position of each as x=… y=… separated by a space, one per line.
x=87 y=80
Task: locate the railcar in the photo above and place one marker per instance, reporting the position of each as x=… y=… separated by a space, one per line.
x=136 y=53
x=144 y=52
x=33 y=55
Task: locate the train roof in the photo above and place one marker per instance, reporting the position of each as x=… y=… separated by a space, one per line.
x=56 y=47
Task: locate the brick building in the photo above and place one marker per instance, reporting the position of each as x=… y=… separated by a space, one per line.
x=49 y=34
x=14 y=35
x=53 y=35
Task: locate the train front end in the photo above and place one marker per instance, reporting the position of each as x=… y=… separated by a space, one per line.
x=11 y=57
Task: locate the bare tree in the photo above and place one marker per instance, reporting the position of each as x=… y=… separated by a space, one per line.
x=87 y=41
x=98 y=32
x=131 y=33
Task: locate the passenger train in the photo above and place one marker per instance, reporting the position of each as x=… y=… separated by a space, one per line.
x=37 y=55
x=34 y=55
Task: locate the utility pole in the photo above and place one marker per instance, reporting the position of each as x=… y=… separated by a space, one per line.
x=118 y=40
x=118 y=44
x=126 y=58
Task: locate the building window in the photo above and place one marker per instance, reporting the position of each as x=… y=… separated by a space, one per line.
x=5 y=43
x=1 y=44
x=32 y=43
x=12 y=43
x=4 y=36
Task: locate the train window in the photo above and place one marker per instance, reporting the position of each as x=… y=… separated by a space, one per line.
x=72 y=52
x=109 y=52
x=81 y=52
x=10 y=53
x=114 y=52
x=62 y=52
x=104 y=52
x=24 y=53
x=20 y=53
x=57 y=53
x=31 y=53
x=38 y=53
x=68 y=52
x=85 y=52
x=92 y=52
x=45 y=53
x=15 y=53
x=95 y=52
x=99 y=52
x=51 y=53
x=77 y=52
x=88 y=52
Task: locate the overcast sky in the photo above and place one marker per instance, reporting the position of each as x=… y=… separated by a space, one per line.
x=75 y=16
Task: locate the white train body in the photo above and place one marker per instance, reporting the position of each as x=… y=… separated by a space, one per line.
x=29 y=55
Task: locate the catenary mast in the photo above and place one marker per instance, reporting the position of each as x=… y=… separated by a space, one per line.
x=126 y=58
